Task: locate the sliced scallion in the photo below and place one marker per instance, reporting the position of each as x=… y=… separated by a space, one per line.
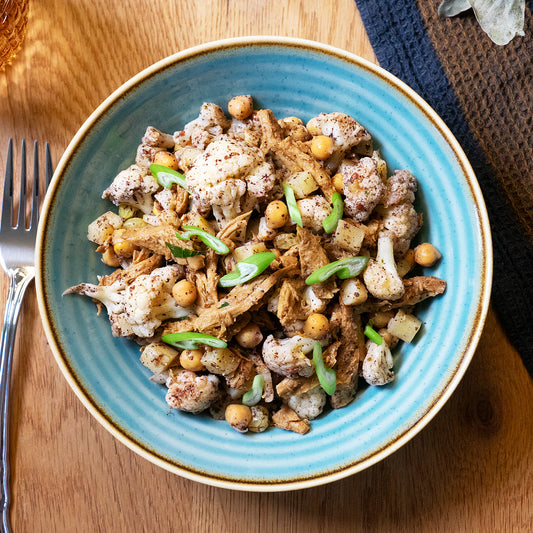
x=208 y=239
x=326 y=376
x=372 y=334
x=330 y=222
x=294 y=212
x=166 y=176
x=344 y=268
x=247 y=269
x=253 y=397
x=188 y=340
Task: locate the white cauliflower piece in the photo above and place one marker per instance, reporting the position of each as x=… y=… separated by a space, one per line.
x=260 y=184
x=402 y=223
x=190 y=392
x=216 y=178
x=380 y=276
x=153 y=141
x=363 y=187
x=378 y=363
x=210 y=124
x=148 y=300
x=345 y=131
x=112 y=297
x=288 y=356
x=400 y=188
x=308 y=404
x=135 y=187
x=311 y=302
x=314 y=210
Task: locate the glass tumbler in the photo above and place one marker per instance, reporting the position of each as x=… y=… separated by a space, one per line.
x=13 y=22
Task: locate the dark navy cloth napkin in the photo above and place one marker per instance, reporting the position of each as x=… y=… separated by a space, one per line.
x=484 y=93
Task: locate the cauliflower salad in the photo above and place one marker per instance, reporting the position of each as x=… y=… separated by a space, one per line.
x=263 y=265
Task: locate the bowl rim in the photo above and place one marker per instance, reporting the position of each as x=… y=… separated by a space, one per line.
x=486 y=251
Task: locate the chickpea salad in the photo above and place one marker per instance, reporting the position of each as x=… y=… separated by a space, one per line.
x=263 y=265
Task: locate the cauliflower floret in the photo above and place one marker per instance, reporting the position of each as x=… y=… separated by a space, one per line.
x=260 y=183
x=378 y=363
x=345 y=131
x=210 y=124
x=190 y=392
x=400 y=189
x=135 y=187
x=287 y=356
x=380 y=276
x=363 y=187
x=311 y=302
x=148 y=300
x=308 y=404
x=153 y=141
x=401 y=222
x=314 y=210
x=217 y=177
x=112 y=297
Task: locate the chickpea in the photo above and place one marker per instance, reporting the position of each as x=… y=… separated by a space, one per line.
x=134 y=222
x=124 y=248
x=250 y=336
x=241 y=107
x=322 y=147
x=426 y=254
x=166 y=159
x=338 y=182
x=316 y=326
x=184 y=292
x=238 y=417
x=110 y=258
x=192 y=360
x=276 y=214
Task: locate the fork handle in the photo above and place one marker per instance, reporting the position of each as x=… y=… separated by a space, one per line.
x=19 y=278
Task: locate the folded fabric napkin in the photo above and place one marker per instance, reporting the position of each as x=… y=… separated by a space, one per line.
x=484 y=93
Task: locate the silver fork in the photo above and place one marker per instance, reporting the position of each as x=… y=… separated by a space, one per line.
x=17 y=250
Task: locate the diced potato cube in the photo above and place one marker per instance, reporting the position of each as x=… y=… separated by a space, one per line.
x=158 y=356
x=221 y=361
x=406 y=263
x=404 y=326
x=284 y=241
x=101 y=229
x=302 y=183
x=348 y=236
x=242 y=252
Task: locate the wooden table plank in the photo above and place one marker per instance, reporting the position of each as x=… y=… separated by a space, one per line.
x=469 y=470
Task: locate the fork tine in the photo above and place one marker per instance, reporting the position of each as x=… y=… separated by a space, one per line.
x=35 y=192
x=49 y=169
x=7 y=199
x=21 y=218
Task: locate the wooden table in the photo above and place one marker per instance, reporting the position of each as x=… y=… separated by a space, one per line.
x=469 y=470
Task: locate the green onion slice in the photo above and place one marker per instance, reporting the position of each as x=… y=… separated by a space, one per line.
x=326 y=376
x=188 y=340
x=166 y=176
x=247 y=269
x=330 y=222
x=253 y=397
x=373 y=335
x=294 y=212
x=344 y=268
x=208 y=239
x=181 y=253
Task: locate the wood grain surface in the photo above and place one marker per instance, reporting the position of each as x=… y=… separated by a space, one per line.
x=470 y=470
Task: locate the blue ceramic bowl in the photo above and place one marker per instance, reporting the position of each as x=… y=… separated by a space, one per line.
x=292 y=77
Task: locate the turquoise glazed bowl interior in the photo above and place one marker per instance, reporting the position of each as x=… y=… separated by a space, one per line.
x=292 y=77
